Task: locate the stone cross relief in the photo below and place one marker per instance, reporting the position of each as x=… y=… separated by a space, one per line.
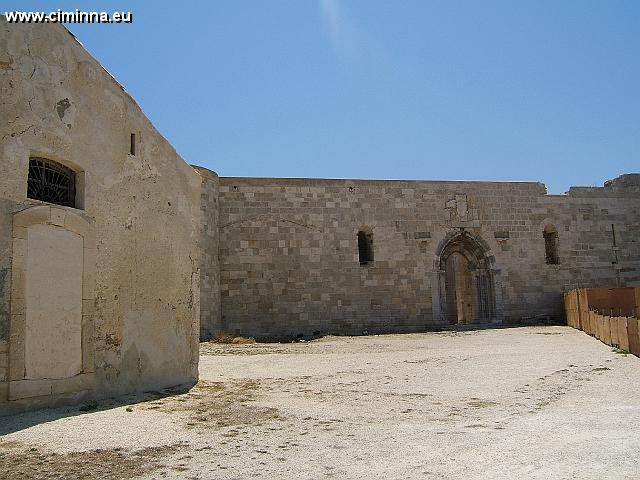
x=460 y=210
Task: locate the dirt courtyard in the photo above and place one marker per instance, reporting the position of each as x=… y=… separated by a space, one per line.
x=534 y=402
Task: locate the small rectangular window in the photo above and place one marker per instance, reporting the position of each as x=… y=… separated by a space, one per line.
x=550 y=234
x=132 y=149
x=365 y=247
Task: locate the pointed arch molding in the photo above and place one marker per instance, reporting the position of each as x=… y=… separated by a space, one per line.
x=54 y=251
x=478 y=249
x=450 y=237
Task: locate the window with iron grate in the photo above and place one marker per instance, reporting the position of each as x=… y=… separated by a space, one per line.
x=51 y=182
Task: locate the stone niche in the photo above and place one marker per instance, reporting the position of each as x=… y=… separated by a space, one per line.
x=51 y=350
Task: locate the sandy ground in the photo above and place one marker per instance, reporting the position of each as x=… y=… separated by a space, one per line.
x=536 y=402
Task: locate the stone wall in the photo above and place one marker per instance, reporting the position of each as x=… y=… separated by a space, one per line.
x=289 y=253
x=57 y=102
x=210 y=268
x=171 y=254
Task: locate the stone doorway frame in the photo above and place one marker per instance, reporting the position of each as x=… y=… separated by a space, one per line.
x=75 y=221
x=438 y=278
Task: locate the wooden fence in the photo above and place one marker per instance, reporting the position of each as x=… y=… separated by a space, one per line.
x=614 y=318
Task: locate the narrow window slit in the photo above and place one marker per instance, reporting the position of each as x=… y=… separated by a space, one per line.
x=550 y=234
x=365 y=247
x=132 y=149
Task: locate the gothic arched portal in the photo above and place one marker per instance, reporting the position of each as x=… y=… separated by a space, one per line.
x=466 y=290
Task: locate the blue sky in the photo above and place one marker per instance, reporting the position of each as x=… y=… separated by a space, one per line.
x=414 y=89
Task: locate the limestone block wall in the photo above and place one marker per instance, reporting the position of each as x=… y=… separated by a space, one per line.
x=143 y=202
x=587 y=218
x=210 y=267
x=289 y=254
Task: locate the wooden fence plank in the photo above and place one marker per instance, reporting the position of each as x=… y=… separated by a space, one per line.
x=623 y=337
x=633 y=335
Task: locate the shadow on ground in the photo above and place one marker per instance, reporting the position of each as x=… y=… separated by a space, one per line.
x=21 y=421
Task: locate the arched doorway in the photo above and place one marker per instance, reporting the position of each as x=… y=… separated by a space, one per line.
x=466 y=282
x=458 y=289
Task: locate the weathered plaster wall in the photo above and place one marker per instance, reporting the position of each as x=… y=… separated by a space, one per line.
x=57 y=102
x=289 y=258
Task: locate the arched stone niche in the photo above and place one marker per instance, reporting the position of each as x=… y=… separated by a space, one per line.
x=51 y=349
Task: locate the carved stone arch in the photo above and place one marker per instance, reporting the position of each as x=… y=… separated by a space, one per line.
x=478 y=243
x=465 y=267
x=51 y=351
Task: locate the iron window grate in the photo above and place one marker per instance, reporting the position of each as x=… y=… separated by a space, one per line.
x=51 y=182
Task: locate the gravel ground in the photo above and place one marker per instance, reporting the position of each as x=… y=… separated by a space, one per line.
x=535 y=402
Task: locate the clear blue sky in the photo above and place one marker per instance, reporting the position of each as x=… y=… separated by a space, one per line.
x=414 y=89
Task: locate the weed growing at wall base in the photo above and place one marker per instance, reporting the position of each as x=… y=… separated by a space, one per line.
x=621 y=351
